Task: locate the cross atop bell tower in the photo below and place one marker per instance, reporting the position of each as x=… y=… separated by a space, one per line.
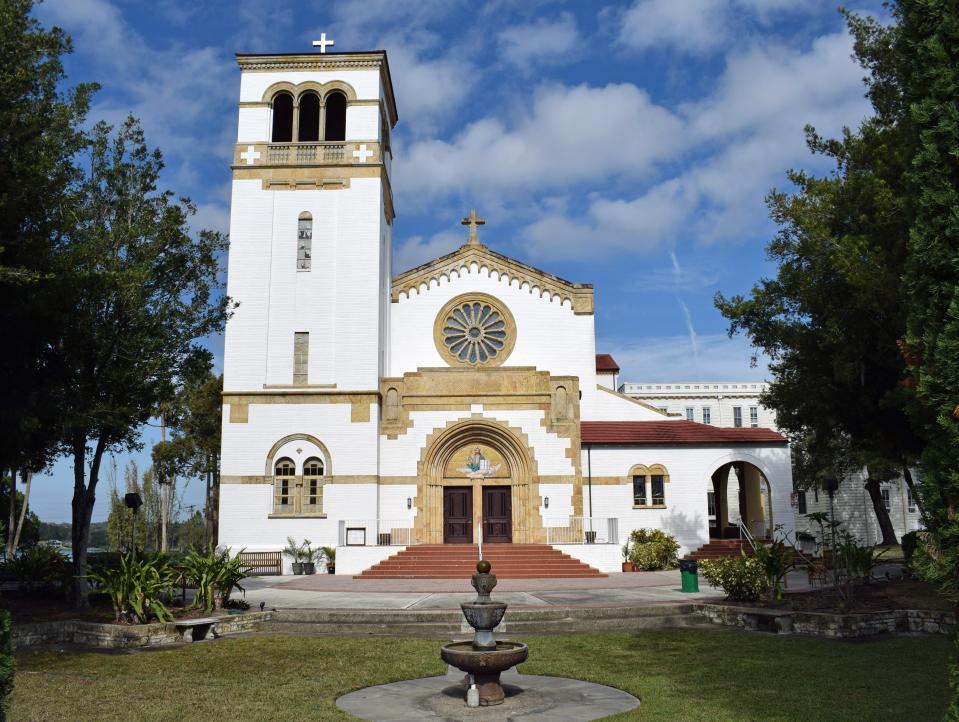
x=474 y=222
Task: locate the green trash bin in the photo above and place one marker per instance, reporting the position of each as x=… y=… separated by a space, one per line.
x=689 y=571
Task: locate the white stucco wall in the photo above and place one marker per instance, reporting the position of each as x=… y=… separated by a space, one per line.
x=549 y=336
x=690 y=469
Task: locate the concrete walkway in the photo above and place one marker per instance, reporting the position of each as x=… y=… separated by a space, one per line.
x=324 y=591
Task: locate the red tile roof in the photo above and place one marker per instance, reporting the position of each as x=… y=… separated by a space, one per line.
x=605 y=362
x=654 y=433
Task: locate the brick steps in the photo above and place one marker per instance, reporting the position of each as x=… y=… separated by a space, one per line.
x=722 y=548
x=509 y=561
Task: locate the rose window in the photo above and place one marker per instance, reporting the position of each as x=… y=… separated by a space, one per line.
x=474 y=330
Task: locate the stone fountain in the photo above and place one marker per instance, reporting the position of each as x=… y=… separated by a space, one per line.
x=484 y=658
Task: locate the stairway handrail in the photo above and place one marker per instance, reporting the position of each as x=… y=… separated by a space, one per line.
x=749 y=537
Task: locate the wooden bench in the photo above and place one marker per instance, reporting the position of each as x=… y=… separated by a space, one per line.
x=195 y=630
x=262 y=563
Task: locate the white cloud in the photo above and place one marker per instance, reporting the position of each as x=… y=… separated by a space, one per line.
x=542 y=40
x=568 y=135
x=637 y=226
x=694 y=26
x=416 y=250
x=670 y=358
x=698 y=27
x=744 y=137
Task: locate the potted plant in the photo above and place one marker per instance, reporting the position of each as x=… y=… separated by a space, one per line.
x=330 y=554
x=295 y=552
x=627 y=565
x=310 y=556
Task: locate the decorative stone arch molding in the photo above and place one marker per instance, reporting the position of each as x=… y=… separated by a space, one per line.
x=321 y=89
x=511 y=443
x=320 y=451
x=643 y=470
x=479 y=259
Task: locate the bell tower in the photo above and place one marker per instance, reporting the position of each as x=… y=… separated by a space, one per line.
x=311 y=222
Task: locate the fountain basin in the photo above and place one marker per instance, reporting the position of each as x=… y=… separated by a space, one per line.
x=484 y=617
x=485 y=665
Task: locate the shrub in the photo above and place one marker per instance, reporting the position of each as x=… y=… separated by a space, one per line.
x=653 y=549
x=7 y=664
x=776 y=560
x=215 y=575
x=39 y=568
x=909 y=542
x=137 y=588
x=743 y=578
x=859 y=560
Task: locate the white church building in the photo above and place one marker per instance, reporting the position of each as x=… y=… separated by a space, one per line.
x=456 y=402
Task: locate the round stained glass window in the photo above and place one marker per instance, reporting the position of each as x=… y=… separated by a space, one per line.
x=474 y=331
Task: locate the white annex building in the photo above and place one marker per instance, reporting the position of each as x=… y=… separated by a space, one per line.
x=456 y=400
x=737 y=404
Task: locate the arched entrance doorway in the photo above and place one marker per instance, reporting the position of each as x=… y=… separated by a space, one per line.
x=477 y=476
x=740 y=493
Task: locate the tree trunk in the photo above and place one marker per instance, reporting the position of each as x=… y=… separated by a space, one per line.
x=164 y=514
x=84 y=497
x=12 y=520
x=882 y=516
x=208 y=510
x=216 y=500
x=910 y=482
x=27 y=477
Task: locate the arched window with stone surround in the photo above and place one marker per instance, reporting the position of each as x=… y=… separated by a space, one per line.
x=313 y=469
x=309 y=125
x=304 y=242
x=282 y=118
x=649 y=485
x=335 y=120
x=284 y=487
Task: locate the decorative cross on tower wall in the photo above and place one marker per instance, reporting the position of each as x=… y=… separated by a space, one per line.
x=322 y=43
x=474 y=222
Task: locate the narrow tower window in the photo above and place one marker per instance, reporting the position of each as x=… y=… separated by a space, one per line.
x=304 y=242
x=282 y=118
x=309 y=130
x=335 y=116
x=301 y=354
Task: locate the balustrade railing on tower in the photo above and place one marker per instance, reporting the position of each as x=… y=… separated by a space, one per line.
x=305 y=153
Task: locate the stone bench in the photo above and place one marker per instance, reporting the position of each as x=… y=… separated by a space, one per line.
x=195 y=630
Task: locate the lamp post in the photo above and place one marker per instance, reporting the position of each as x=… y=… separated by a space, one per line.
x=133 y=502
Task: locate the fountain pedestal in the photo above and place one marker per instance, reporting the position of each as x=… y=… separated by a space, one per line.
x=484 y=658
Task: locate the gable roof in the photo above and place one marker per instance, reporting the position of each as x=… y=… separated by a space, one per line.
x=605 y=362
x=663 y=433
x=580 y=295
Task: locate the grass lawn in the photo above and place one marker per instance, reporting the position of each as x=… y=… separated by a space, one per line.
x=679 y=675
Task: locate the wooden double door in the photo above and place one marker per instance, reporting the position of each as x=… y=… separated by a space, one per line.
x=458 y=514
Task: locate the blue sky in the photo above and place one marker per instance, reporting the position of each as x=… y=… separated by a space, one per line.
x=625 y=144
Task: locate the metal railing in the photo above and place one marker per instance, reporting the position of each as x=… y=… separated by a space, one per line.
x=744 y=533
x=582 y=530
x=376 y=532
x=298 y=153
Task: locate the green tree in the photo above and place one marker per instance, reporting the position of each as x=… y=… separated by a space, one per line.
x=926 y=45
x=39 y=137
x=831 y=318
x=196 y=418
x=142 y=291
